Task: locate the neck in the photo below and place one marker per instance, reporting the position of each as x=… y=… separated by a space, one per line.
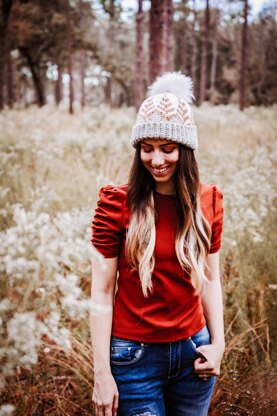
x=165 y=188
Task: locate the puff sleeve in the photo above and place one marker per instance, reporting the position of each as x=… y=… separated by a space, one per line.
x=107 y=222
x=217 y=225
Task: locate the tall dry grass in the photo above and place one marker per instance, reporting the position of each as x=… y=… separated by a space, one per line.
x=52 y=166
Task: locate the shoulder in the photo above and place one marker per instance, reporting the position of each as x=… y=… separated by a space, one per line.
x=210 y=191
x=112 y=202
x=111 y=206
x=113 y=192
x=211 y=198
x=109 y=220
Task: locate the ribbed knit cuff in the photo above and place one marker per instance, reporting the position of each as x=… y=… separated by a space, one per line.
x=186 y=135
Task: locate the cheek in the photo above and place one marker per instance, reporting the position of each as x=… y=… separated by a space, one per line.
x=145 y=158
x=173 y=158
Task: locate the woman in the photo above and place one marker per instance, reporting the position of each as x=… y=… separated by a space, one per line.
x=158 y=350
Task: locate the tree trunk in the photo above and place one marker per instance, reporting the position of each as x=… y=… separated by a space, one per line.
x=4 y=19
x=204 y=55
x=156 y=39
x=139 y=57
x=69 y=57
x=115 y=93
x=112 y=9
x=124 y=92
x=214 y=49
x=169 y=40
x=82 y=15
x=10 y=92
x=36 y=76
x=82 y=77
x=108 y=91
x=59 y=86
x=184 y=42
x=193 y=49
x=243 y=58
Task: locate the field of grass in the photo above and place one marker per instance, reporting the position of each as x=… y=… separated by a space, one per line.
x=52 y=165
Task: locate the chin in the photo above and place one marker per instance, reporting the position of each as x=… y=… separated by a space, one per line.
x=161 y=179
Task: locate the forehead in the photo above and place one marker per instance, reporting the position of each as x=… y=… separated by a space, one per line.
x=157 y=142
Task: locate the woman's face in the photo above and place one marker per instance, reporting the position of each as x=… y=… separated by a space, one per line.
x=160 y=157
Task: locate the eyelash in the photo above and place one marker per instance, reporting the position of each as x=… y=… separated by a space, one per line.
x=150 y=150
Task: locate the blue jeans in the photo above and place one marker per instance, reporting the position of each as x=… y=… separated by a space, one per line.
x=158 y=379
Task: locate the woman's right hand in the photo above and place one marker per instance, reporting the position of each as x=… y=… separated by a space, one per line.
x=105 y=395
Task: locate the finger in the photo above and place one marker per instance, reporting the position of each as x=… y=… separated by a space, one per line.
x=208 y=373
x=108 y=410
x=200 y=369
x=105 y=410
x=206 y=365
x=96 y=402
x=115 y=405
x=206 y=376
x=100 y=411
x=95 y=407
x=212 y=371
x=198 y=361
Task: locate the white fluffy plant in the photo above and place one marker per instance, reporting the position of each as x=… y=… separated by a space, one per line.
x=7 y=410
x=42 y=260
x=249 y=191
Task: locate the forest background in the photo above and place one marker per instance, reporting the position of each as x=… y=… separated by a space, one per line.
x=72 y=74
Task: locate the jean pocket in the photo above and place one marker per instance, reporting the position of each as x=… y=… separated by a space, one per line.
x=124 y=352
x=200 y=338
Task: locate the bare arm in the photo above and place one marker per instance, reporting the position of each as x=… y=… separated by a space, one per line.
x=212 y=300
x=213 y=311
x=105 y=393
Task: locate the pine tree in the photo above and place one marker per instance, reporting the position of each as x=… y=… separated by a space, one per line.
x=243 y=63
x=156 y=39
x=4 y=20
x=139 y=57
x=204 y=55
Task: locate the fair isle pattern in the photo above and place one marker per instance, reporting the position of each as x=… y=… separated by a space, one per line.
x=147 y=110
x=165 y=116
x=184 y=112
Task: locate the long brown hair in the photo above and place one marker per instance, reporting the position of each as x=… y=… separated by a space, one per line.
x=193 y=233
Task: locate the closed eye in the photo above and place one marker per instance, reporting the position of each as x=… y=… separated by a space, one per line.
x=147 y=149
x=169 y=149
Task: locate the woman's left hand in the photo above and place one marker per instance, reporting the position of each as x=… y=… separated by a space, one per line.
x=208 y=364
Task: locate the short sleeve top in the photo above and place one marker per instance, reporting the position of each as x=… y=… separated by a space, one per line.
x=173 y=311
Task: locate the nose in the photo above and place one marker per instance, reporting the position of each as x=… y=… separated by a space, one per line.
x=157 y=159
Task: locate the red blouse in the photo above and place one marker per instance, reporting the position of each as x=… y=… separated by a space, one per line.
x=173 y=311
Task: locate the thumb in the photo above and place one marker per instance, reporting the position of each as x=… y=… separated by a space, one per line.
x=198 y=363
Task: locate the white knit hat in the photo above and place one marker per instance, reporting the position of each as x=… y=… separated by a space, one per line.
x=167 y=114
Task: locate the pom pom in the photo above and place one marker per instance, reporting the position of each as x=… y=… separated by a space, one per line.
x=175 y=83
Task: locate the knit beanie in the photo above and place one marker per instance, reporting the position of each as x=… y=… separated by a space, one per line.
x=166 y=113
